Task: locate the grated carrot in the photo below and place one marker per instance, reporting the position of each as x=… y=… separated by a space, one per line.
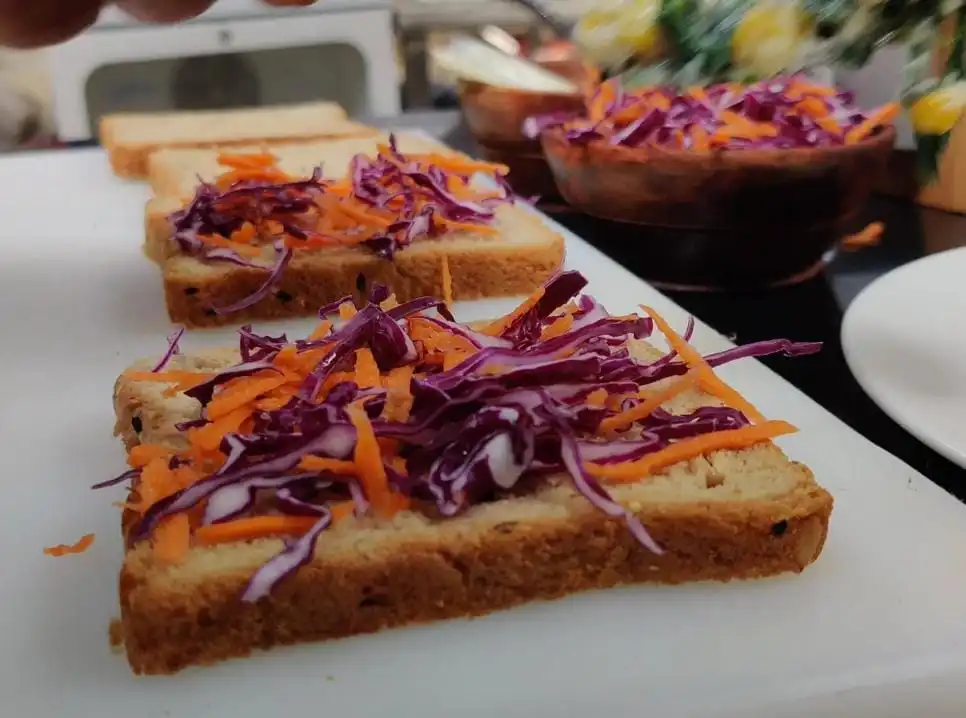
x=400 y=398
x=866 y=237
x=172 y=539
x=652 y=402
x=367 y=371
x=368 y=460
x=560 y=326
x=876 y=119
x=79 y=546
x=731 y=439
x=497 y=327
x=598 y=397
x=447 y=281
x=708 y=379
x=239 y=392
x=140 y=455
x=258 y=527
x=209 y=437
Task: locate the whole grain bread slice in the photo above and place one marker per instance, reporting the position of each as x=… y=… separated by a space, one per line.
x=131 y=137
x=523 y=254
x=727 y=515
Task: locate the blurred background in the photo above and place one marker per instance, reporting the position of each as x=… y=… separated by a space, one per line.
x=371 y=56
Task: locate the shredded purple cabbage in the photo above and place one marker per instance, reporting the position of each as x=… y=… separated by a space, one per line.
x=515 y=410
x=673 y=118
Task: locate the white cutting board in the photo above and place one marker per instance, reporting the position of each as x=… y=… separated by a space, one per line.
x=876 y=628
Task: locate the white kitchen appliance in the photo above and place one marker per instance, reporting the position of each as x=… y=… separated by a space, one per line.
x=241 y=53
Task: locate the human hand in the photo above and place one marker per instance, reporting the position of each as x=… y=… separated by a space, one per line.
x=34 y=23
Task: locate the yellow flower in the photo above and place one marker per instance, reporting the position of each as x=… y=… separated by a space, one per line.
x=937 y=112
x=612 y=32
x=768 y=38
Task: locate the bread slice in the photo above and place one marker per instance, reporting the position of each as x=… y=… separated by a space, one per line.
x=728 y=515
x=175 y=172
x=130 y=138
x=520 y=258
x=522 y=255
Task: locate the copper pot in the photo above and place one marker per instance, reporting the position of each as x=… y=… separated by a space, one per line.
x=495 y=115
x=724 y=218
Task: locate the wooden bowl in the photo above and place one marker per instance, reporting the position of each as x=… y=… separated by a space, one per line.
x=723 y=219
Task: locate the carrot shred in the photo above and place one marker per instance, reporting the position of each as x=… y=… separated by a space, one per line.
x=209 y=436
x=368 y=460
x=447 y=280
x=700 y=139
x=732 y=439
x=598 y=397
x=255 y=527
x=346 y=311
x=497 y=327
x=79 y=546
x=560 y=326
x=320 y=332
x=698 y=93
x=866 y=237
x=400 y=399
x=812 y=106
x=709 y=381
x=652 y=402
x=172 y=539
x=238 y=393
x=257 y=161
x=367 y=371
x=876 y=118
x=828 y=124
x=142 y=454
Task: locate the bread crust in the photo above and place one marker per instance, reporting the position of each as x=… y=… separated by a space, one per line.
x=366 y=577
x=132 y=161
x=166 y=629
x=314 y=281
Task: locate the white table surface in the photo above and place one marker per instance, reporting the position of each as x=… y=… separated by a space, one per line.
x=876 y=628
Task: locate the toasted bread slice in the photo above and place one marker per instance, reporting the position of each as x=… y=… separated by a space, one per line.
x=522 y=255
x=175 y=172
x=727 y=515
x=130 y=138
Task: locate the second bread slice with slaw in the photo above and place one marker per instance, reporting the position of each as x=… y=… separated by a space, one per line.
x=432 y=230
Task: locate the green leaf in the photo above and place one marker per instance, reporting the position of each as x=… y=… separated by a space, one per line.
x=929 y=150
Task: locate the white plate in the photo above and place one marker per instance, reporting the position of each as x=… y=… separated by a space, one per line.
x=904 y=339
x=876 y=629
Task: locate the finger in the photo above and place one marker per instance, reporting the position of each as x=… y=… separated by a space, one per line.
x=44 y=22
x=164 y=10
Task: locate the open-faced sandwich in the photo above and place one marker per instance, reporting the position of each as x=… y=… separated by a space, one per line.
x=258 y=241
x=131 y=137
x=396 y=467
